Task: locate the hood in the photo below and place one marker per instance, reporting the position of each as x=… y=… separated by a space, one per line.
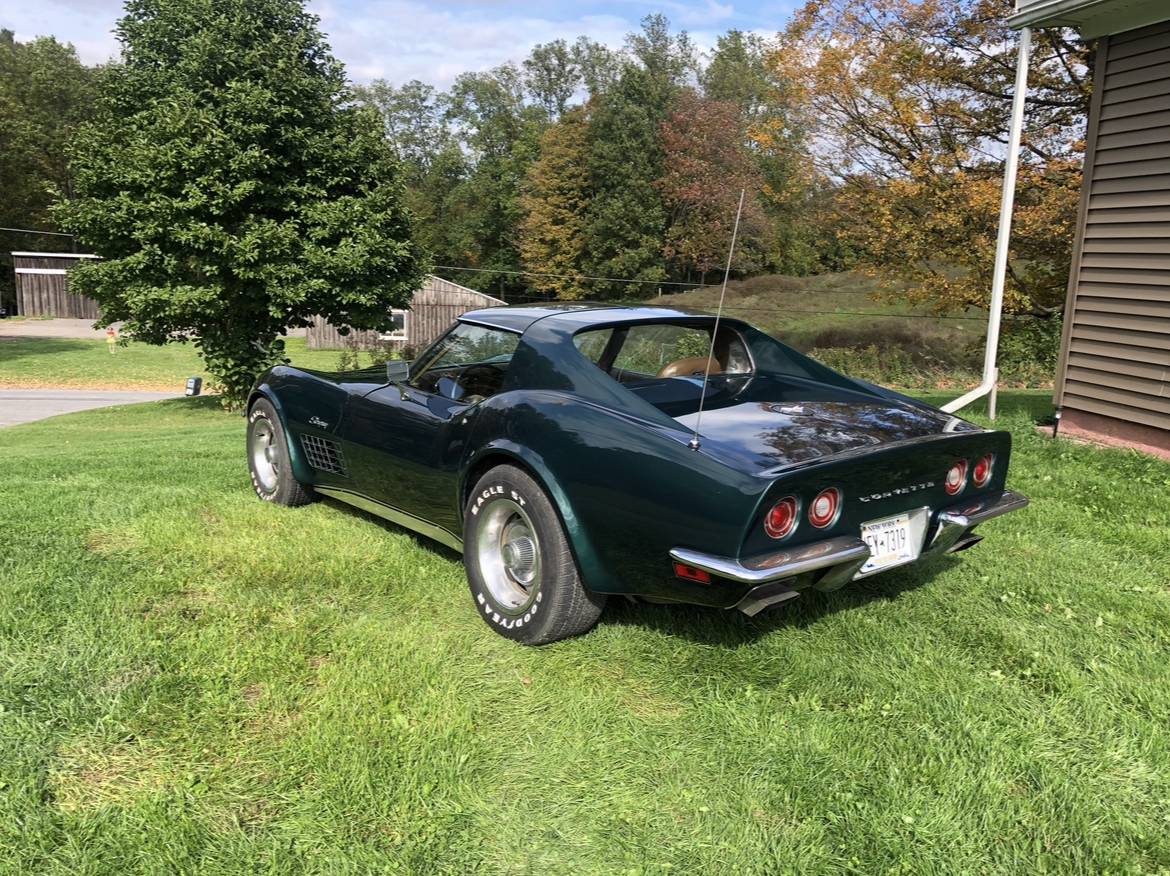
x=764 y=435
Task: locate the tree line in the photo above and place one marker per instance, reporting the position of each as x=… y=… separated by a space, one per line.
x=224 y=166
x=581 y=160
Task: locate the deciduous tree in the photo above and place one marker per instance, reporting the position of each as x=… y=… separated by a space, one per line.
x=626 y=220
x=739 y=72
x=909 y=100
x=552 y=74
x=45 y=92
x=555 y=201
x=706 y=167
x=233 y=188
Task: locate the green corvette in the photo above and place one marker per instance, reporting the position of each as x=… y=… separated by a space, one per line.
x=573 y=453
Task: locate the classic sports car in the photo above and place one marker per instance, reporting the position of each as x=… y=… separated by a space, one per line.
x=557 y=448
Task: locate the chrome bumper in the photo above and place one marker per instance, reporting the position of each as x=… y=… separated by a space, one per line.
x=843 y=556
x=784 y=564
x=956 y=521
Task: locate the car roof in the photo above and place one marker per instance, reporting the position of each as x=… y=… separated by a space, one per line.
x=518 y=318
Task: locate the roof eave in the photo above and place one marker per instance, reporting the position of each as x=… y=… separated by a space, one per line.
x=1093 y=18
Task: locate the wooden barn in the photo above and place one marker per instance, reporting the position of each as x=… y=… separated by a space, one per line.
x=42 y=286
x=1113 y=377
x=432 y=310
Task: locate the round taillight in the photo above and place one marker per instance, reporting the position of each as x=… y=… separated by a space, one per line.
x=956 y=477
x=981 y=474
x=823 y=510
x=782 y=519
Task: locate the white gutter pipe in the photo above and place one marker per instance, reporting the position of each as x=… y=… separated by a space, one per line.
x=1006 y=205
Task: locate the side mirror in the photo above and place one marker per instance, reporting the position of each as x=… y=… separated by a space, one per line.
x=397 y=371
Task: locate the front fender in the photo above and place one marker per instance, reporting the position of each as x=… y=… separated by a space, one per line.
x=594 y=573
x=302 y=471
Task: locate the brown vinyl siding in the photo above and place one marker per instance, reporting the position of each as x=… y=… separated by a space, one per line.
x=1115 y=358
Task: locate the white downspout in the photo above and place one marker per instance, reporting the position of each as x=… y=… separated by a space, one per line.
x=1006 y=205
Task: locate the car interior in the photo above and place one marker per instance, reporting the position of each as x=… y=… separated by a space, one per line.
x=665 y=363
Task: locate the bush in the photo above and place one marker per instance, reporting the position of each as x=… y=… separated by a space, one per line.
x=1030 y=344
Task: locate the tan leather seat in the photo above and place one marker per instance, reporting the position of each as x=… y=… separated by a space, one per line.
x=696 y=366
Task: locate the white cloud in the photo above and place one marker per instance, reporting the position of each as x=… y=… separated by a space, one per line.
x=401 y=40
x=88 y=24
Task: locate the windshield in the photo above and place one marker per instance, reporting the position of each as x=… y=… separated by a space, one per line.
x=467 y=364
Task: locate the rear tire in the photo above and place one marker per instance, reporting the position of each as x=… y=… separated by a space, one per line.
x=269 y=461
x=521 y=571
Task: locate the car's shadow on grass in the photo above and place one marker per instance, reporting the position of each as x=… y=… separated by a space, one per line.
x=423 y=543
x=730 y=628
x=713 y=626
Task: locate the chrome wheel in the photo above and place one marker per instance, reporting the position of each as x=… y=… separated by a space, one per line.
x=509 y=554
x=265 y=458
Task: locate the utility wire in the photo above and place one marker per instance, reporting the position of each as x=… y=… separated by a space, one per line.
x=606 y=280
x=565 y=276
x=528 y=299
x=34 y=231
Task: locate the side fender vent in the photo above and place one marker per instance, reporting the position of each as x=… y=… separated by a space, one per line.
x=324 y=455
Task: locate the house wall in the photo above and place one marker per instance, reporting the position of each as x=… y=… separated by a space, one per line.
x=42 y=286
x=1114 y=371
x=432 y=310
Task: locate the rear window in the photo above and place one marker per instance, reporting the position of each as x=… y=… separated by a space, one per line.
x=663 y=351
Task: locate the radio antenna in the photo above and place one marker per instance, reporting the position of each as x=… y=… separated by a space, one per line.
x=694 y=442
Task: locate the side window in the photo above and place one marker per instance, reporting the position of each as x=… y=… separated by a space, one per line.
x=665 y=350
x=650 y=348
x=467 y=365
x=592 y=344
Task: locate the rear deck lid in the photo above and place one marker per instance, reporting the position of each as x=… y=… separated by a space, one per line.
x=762 y=435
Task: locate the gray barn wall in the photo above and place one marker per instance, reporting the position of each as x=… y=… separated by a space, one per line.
x=47 y=294
x=1115 y=355
x=432 y=310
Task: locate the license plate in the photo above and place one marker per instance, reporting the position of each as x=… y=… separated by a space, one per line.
x=892 y=541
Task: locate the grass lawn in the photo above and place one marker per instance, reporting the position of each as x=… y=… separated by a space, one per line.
x=68 y=363
x=195 y=681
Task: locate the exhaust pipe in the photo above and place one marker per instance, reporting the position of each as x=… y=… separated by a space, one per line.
x=966 y=541
x=765 y=596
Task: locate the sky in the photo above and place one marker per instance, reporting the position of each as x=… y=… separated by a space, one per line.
x=400 y=40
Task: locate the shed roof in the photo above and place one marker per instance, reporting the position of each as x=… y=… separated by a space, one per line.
x=55 y=255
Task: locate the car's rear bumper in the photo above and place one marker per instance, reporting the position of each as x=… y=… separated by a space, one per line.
x=833 y=562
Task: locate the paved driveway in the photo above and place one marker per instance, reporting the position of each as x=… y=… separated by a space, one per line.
x=71 y=328
x=50 y=328
x=26 y=405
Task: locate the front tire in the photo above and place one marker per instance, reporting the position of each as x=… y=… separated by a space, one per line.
x=520 y=569
x=268 y=458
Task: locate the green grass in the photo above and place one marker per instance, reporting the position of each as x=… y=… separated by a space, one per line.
x=64 y=362
x=194 y=681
